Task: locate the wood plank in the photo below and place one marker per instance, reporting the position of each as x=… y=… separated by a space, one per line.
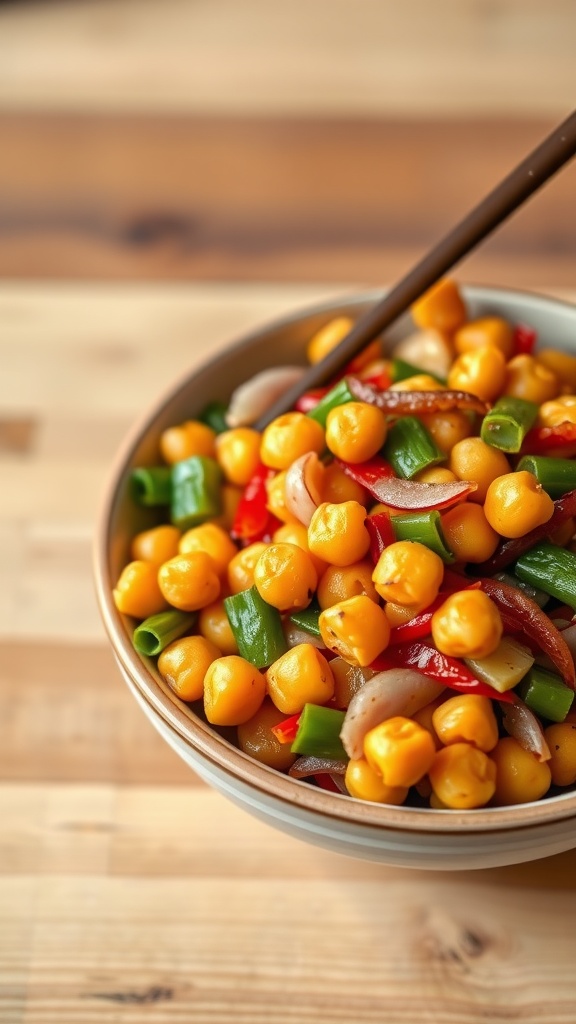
x=257 y=198
x=328 y=56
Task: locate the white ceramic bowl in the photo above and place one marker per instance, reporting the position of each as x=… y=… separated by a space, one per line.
x=407 y=836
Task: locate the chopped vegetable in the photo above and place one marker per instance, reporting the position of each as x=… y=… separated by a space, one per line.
x=151 y=485
x=550 y=568
x=556 y=476
x=195 y=491
x=410 y=448
x=425 y=527
x=440 y=667
x=546 y=695
x=156 y=632
x=507 y=423
x=409 y=403
x=318 y=733
x=257 y=627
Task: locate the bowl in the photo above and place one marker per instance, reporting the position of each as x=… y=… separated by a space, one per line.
x=405 y=836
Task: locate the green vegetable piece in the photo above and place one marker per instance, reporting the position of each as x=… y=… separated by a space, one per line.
x=307 y=619
x=507 y=423
x=424 y=527
x=538 y=596
x=151 y=485
x=400 y=370
x=214 y=415
x=551 y=569
x=556 y=476
x=410 y=447
x=338 y=395
x=319 y=733
x=156 y=632
x=195 y=491
x=546 y=695
x=257 y=627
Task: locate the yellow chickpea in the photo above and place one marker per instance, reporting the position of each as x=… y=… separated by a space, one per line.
x=301 y=676
x=400 y=751
x=467 y=625
x=285 y=577
x=419 y=382
x=520 y=776
x=447 y=428
x=230 y=498
x=468 y=533
x=288 y=437
x=530 y=379
x=296 y=533
x=473 y=459
x=408 y=573
x=487 y=330
x=364 y=783
x=137 y=592
x=330 y=335
x=241 y=568
x=337 y=533
x=562 y=364
x=238 y=454
x=337 y=486
x=516 y=503
x=400 y=614
x=187 y=439
x=355 y=431
x=341 y=582
x=441 y=307
x=355 y=629
x=561 y=739
x=276 y=495
x=184 y=663
x=481 y=371
x=559 y=410
x=434 y=475
x=189 y=582
x=255 y=737
x=234 y=690
x=156 y=545
x=466 y=718
x=214 y=541
x=214 y=625
x=462 y=777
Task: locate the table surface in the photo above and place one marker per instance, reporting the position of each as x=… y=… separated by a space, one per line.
x=144 y=223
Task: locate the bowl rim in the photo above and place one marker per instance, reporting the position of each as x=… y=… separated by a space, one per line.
x=202 y=737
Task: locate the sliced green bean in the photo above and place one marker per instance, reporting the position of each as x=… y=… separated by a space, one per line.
x=410 y=448
x=319 y=733
x=151 y=485
x=157 y=631
x=338 y=395
x=556 y=476
x=257 y=627
x=546 y=695
x=550 y=568
x=195 y=491
x=508 y=422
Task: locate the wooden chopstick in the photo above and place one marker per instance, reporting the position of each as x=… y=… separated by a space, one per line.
x=533 y=172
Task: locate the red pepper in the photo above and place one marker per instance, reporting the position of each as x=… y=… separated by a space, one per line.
x=440 y=667
x=525 y=339
x=310 y=399
x=378 y=477
x=285 y=732
x=324 y=781
x=381 y=533
x=543 y=439
x=509 y=550
x=414 y=403
x=419 y=626
x=252 y=516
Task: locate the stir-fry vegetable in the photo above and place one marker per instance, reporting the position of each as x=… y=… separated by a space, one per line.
x=333 y=589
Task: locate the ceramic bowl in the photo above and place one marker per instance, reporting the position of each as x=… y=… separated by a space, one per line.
x=406 y=836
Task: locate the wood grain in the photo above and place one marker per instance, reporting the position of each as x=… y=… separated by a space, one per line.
x=212 y=198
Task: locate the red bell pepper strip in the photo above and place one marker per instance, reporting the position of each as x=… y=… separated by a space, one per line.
x=520 y=613
x=419 y=626
x=441 y=667
x=509 y=550
x=543 y=439
x=381 y=533
x=252 y=515
x=285 y=732
x=414 y=403
x=525 y=339
x=309 y=400
x=378 y=477
x=324 y=781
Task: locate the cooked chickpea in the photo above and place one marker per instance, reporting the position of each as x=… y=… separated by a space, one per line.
x=255 y=737
x=276 y=495
x=233 y=691
x=238 y=454
x=487 y=330
x=189 y=582
x=441 y=307
x=447 y=428
x=330 y=335
x=520 y=776
x=561 y=739
x=337 y=486
x=355 y=431
x=288 y=437
x=230 y=498
x=516 y=503
x=462 y=777
x=399 y=614
x=337 y=533
x=187 y=439
x=240 y=574
x=137 y=592
x=530 y=379
x=466 y=718
x=184 y=663
x=301 y=676
x=473 y=459
x=156 y=545
x=214 y=541
x=285 y=577
x=400 y=751
x=559 y=410
x=434 y=475
x=419 y=382
x=296 y=533
x=364 y=783
x=562 y=364
x=481 y=371
x=356 y=629
x=408 y=573
x=468 y=533
x=338 y=583
x=213 y=624
x=467 y=625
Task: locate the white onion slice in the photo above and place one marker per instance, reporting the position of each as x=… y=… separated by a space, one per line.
x=520 y=723
x=300 y=491
x=296 y=635
x=397 y=691
x=309 y=765
x=429 y=350
x=253 y=398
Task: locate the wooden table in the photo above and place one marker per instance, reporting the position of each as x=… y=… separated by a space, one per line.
x=143 y=226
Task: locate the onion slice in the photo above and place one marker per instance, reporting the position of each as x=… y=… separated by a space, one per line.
x=252 y=399
x=301 y=494
x=414 y=403
x=309 y=765
x=295 y=635
x=397 y=691
x=411 y=495
x=520 y=723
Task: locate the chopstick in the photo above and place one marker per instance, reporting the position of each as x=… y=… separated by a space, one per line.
x=533 y=172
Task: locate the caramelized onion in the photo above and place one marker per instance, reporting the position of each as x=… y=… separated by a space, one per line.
x=308 y=765
x=397 y=691
x=520 y=723
x=414 y=403
x=300 y=491
x=253 y=398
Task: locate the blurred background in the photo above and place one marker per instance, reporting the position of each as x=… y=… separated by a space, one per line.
x=248 y=140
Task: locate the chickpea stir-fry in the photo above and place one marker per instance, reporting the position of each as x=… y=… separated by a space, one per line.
x=378 y=589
